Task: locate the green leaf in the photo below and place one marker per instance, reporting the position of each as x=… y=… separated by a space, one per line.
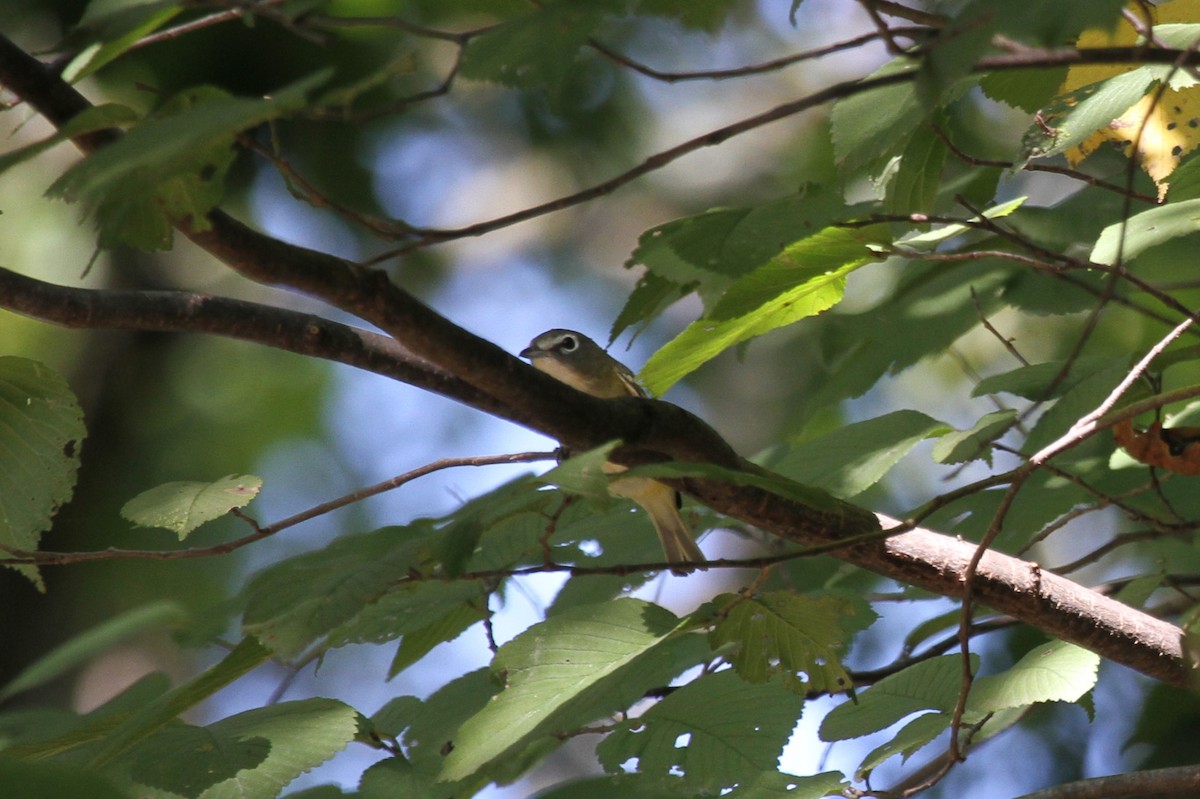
x=186 y=760
x=100 y=117
x=298 y=602
x=1033 y=381
x=778 y=785
x=974 y=443
x=1029 y=90
x=705 y=15
x=1128 y=239
x=800 y=638
x=1185 y=181
x=566 y=671
x=53 y=780
x=911 y=737
x=418 y=643
x=433 y=728
x=247 y=656
x=184 y=506
x=1075 y=116
x=172 y=166
x=270 y=746
x=870 y=127
x=649 y=297
x=584 y=474
x=110 y=32
x=1053 y=672
x=932 y=684
x=808 y=277
x=410 y=608
x=932 y=238
x=715 y=731
x=41 y=431
x=917 y=181
x=1080 y=399
x=816 y=498
x=87 y=645
x=537 y=49
x=850 y=459
x=724 y=244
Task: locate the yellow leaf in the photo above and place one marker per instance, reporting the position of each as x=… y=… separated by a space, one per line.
x=1161 y=128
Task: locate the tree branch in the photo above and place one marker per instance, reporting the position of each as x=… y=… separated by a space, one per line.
x=654 y=430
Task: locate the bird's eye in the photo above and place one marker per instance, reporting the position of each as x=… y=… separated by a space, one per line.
x=568 y=344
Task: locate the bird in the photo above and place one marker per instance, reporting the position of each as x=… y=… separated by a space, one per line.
x=573 y=358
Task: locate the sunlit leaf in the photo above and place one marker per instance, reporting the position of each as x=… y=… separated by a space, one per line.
x=568 y=669
x=798 y=639
x=183 y=506
x=850 y=459
x=1053 y=672
x=713 y=732
x=932 y=684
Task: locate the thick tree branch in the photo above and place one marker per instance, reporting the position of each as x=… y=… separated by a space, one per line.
x=655 y=430
x=179 y=311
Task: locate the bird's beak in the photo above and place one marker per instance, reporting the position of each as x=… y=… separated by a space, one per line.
x=530 y=352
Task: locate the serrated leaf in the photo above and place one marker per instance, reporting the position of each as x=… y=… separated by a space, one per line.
x=723 y=244
x=1079 y=399
x=851 y=459
x=41 y=432
x=183 y=506
x=1075 y=116
x=911 y=737
x=940 y=234
x=568 y=669
x=406 y=609
x=433 y=727
x=170 y=167
x=274 y=745
x=245 y=657
x=932 y=684
x=110 y=32
x=917 y=181
x=808 y=277
x=1028 y=90
x=418 y=643
x=869 y=127
x=99 y=117
x=705 y=15
x=85 y=646
x=651 y=294
x=187 y=760
x=779 y=785
x=974 y=443
x=54 y=780
x=1129 y=238
x=1033 y=381
x=294 y=604
x=797 y=638
x=583 y=474
x=1053 y=672
x=715 y=731
x=536 y=49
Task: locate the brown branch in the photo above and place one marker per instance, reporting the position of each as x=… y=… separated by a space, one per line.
x=1179 y=781
x=180 y=311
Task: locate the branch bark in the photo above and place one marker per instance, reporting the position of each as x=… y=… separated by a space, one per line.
x=432 y=352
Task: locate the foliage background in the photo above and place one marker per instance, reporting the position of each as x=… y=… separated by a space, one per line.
x=167 y=407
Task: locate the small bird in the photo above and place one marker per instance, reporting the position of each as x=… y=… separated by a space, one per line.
x=576 y=360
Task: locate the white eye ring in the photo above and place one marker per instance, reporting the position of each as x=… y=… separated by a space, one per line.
x=568 y=344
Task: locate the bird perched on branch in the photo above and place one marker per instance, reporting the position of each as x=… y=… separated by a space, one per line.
x=576 y=360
